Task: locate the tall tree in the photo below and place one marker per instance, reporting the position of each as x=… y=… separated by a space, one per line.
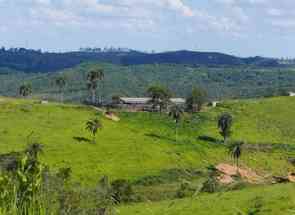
x=92 y=83
x=92 y=126
x=196 y=99
x=224 y=124
x=176 y=113
x=160 y=97
x=235 y=151
x=61 y=83
x=25 y=90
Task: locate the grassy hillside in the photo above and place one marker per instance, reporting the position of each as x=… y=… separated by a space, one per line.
x=143 y=144
x=141 y=148
x=270 y=200
x=220 y=82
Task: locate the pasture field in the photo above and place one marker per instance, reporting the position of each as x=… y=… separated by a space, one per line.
x=271 y=200
x=143 y=144
x=142 y=148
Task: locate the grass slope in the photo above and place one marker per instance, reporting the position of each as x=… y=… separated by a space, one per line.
x=143 y=144
x=268 y=200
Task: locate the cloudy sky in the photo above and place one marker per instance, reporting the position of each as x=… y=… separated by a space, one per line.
x=240 y=27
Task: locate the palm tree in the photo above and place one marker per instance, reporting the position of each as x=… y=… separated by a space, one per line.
x=235 y=151
x=61 y=83
x=224 y=124
x=93 y=77
x=176 y=113
x=92 y=126
x=25 y=90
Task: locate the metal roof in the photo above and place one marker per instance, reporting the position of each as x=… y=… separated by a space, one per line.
x=135 y=100
x=177 y=100
x=144 y=100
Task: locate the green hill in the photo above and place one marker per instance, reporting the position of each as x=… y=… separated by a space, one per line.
x=37 y=61
x=141 y=148
x=219 y=82
x=146 y=141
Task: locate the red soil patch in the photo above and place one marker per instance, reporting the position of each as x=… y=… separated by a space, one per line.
x=291 y=177
x=112 y=116
x=227 y=172
x=225 y=179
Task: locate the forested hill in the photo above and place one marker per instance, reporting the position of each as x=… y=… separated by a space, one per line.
x=133 y=81
x=196 y=58
x=36 y=61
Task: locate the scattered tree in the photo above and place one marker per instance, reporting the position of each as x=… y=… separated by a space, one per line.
x=176 y=113
x=235 y=151
x=196 y=100
x=93 y=77
x=224 y=124
x=92 y=126
x=160 y=97
x=61 y=83
x=25 y=90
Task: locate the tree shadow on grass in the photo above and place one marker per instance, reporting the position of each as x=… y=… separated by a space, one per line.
x=209 y=139
x=82 y=139
x=251 y=147
x=160 y=137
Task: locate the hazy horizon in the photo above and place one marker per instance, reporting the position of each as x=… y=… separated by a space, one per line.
x=237 y=27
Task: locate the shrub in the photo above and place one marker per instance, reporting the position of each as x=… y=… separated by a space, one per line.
x=184 y=190
x=122 y=191
x=210 y=186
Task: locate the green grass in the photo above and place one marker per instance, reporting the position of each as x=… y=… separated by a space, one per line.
x=143 y=144
x=267 y=200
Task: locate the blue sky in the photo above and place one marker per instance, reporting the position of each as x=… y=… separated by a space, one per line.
x=239 y=27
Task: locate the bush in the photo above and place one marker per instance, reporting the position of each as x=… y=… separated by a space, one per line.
x=122 y=191
x=184 y=190
x=64 y=173
x=210 y=186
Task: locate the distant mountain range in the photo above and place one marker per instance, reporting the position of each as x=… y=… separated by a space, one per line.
x=36 y=61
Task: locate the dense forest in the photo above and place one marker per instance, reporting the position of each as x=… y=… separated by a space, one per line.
x=129 y=73
x=219 y=82
x=37 y=61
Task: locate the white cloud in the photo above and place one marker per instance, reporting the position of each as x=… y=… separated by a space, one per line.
x=163 y=18
x=275 y=12
x=178 y=5
x=285 y=24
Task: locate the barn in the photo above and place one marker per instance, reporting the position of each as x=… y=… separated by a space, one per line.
x=143 y=103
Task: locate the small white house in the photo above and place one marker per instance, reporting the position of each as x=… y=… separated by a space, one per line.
x=291 y=94
x=214 y=103
x=43 y=102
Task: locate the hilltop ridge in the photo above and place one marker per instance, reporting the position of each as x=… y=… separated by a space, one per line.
x=28 y=60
